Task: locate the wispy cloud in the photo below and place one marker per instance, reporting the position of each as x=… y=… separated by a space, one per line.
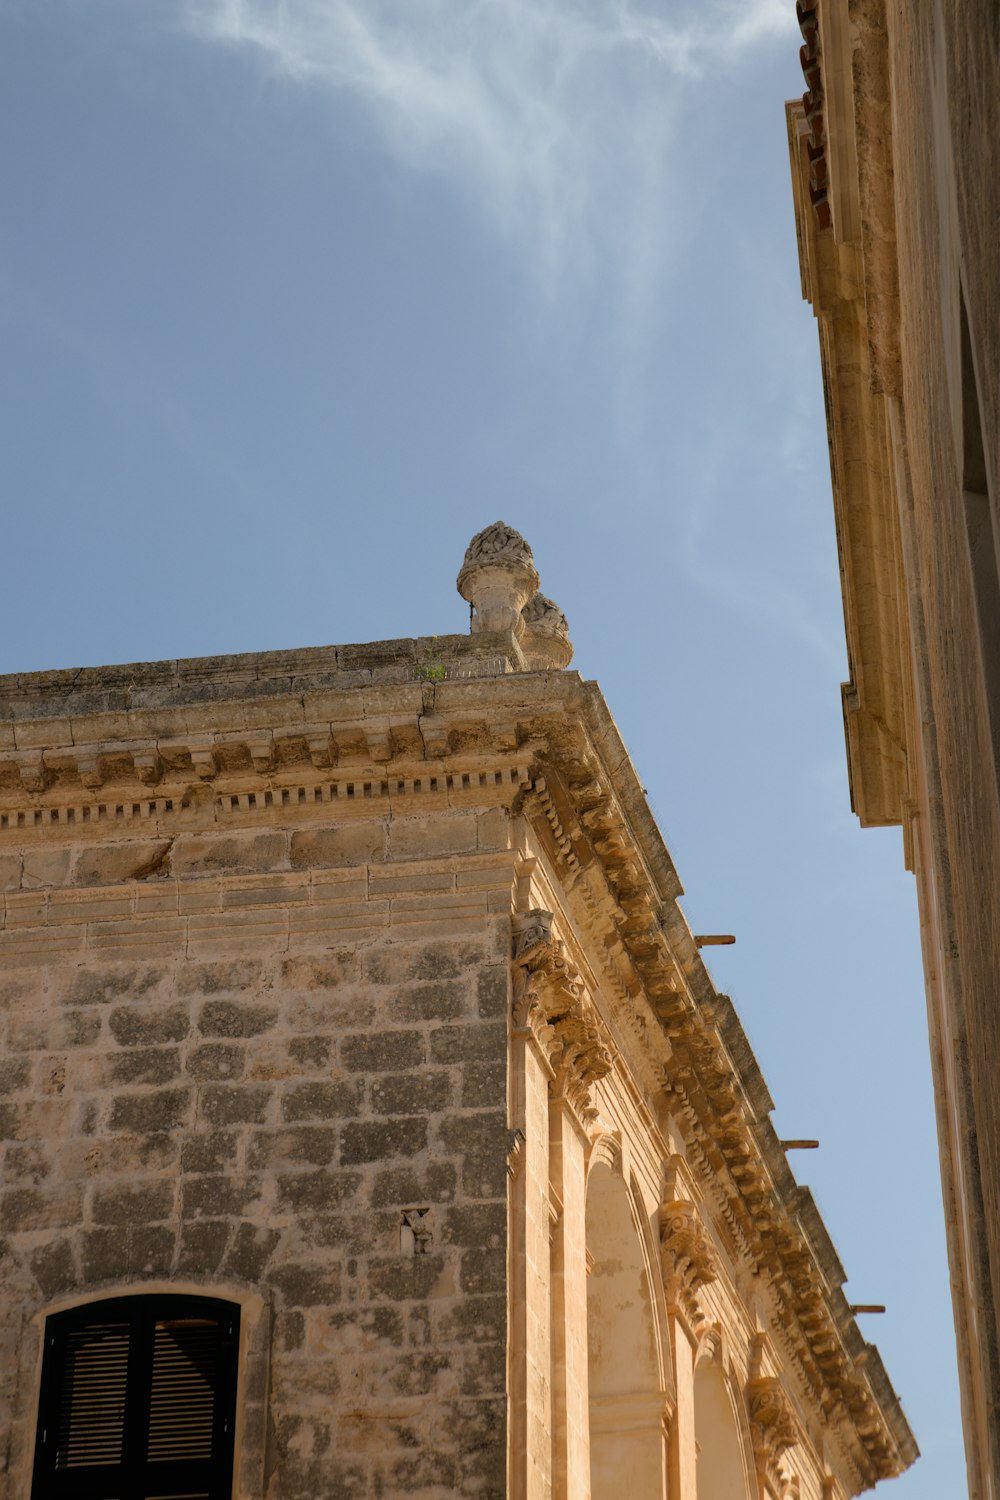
x=569 y=128
x=555 y=117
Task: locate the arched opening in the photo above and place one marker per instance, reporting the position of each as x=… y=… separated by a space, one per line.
x=626 y=1400
x=721 y=1473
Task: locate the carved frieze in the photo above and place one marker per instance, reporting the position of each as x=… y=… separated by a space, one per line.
x=551 y=999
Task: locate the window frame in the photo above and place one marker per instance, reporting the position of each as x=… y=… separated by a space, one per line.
x=136 y=1477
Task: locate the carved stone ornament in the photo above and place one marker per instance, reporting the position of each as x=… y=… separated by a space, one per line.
x=415 y=1233
x=545 y=643
x=515 y=1154
x=498 y=577
x=551 y=1000
x=772 y=1423
x=532 y=935
x=687 y=1256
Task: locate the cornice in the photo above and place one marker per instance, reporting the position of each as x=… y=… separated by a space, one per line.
x=842 y=131
x=590 y=804
x=122 y=809
x=812 y=112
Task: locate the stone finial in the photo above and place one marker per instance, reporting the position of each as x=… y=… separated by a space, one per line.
x=546 y=641
x=498 y=577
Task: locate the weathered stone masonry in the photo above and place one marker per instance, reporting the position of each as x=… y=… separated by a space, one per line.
x=894 y=150
x=244 y=1031
x=351 y=985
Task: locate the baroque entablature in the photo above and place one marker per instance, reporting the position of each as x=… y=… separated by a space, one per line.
x=726 y=1129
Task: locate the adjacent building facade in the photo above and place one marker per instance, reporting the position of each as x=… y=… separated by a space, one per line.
x=895 y=150
x=370 y=1124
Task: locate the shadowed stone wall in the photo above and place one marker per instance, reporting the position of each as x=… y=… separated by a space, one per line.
x=895 y=150
x=238 y=1073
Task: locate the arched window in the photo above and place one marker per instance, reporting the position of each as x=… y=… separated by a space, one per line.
x=138 y=1400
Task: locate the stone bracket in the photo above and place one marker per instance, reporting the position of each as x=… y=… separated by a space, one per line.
x=551 y=998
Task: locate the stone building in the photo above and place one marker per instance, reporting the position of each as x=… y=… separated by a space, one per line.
x=895 y=152
x=371 y=1125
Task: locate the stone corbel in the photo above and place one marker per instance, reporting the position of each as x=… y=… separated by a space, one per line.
x=551 y=999
x=379 y=745
x=687 y=1257
x=261 y=755
x=503 y=734
x=89 y=770
x=434 y=734
x=685 y=1242
x=772 y=1423
x=35 y=775
x=203 y=761
x=532 y=936
x=148 y=765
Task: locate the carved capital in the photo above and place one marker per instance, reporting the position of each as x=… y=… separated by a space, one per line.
x=551 y=999
x=772 y=1422
x=532 y=934
x=687 y=1255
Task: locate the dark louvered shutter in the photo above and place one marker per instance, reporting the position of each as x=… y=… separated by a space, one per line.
x=138 y=1401
x=90 y=1427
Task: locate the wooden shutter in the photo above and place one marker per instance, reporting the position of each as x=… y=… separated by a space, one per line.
x=90 y=1428
x=182 y=1395
x=138 y=1401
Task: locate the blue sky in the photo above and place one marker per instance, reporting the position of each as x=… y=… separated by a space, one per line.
x=296 y=297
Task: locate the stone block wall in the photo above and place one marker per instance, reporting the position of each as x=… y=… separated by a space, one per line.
x=899 y=256
x=232 y=1061
x=947 y=134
